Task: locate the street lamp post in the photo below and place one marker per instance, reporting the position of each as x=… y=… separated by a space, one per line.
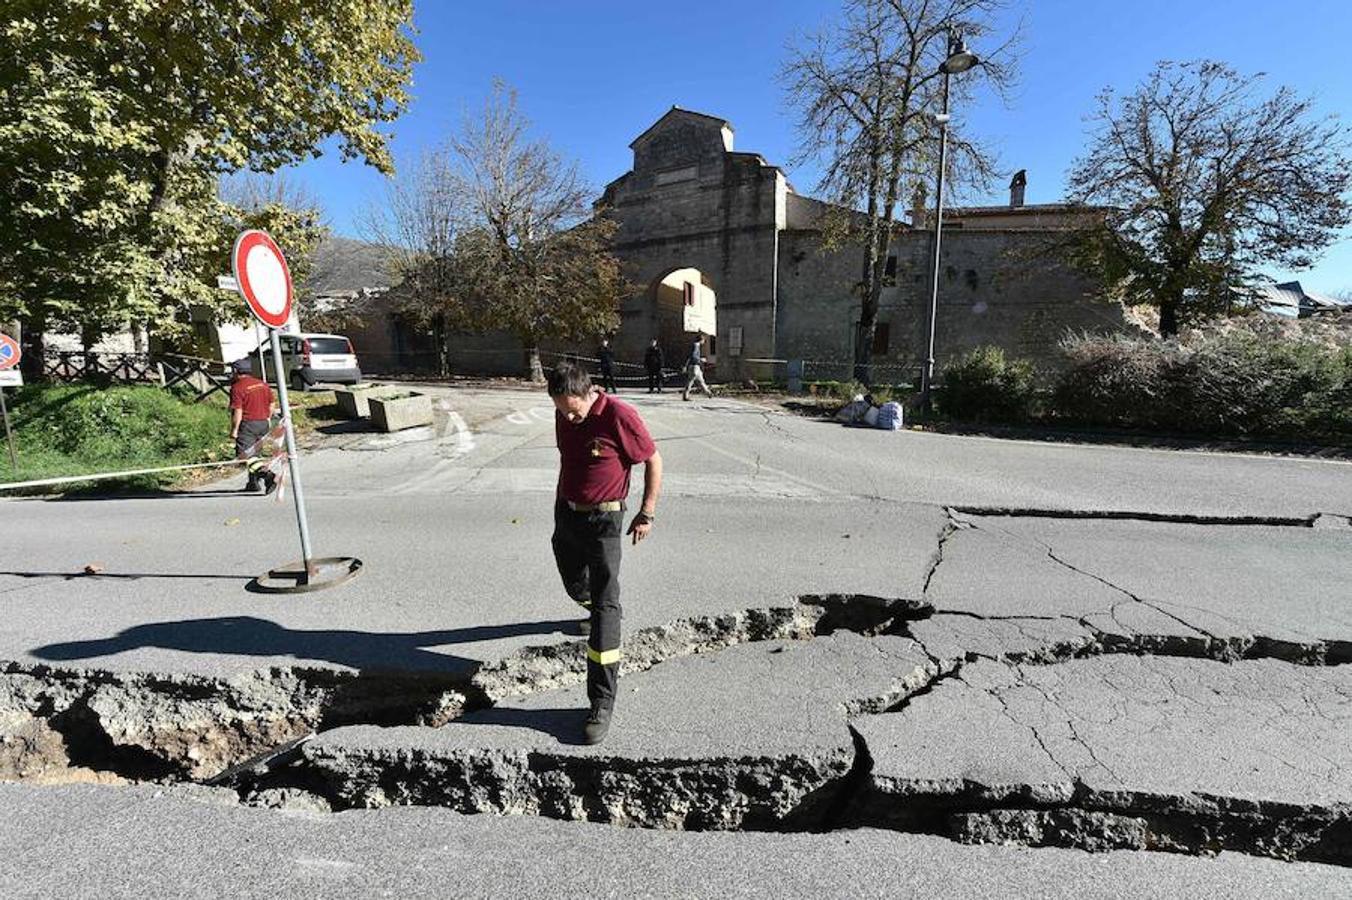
x=959 y=60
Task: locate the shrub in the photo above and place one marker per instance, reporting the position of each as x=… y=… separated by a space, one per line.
x=1120 y=381
x=1232 y=382
x=984 y=386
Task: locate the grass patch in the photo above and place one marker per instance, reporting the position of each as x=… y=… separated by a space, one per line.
x=77 y=429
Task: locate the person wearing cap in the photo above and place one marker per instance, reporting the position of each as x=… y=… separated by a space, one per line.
x=600 y=438
x=250 y=415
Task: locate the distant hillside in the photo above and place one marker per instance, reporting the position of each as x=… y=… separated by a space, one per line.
x=345 y=265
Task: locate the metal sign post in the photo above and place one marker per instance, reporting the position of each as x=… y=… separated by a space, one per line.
x=262 y=365
x=263 y=279
x=9 y=435
x=10 y=354
x=292 y=462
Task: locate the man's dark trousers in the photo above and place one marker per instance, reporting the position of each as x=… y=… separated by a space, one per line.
x=251 y=431
x=587 y=550
x=654 y=380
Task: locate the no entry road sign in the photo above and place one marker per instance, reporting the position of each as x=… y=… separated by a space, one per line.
x=263 y=278
x=9 y=352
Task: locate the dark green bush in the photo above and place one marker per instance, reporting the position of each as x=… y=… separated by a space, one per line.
x=984 y=386
x=1235 y=383
x=1120 y=381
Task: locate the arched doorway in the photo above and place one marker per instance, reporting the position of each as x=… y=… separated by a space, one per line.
x=684 y=307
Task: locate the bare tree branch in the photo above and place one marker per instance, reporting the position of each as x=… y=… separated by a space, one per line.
x=1206 y=182
x=866 y=91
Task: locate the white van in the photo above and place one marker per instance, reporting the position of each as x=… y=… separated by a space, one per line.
x=312 y=359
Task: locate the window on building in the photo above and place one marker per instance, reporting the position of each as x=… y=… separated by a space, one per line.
x=688 y=291
x=735 y=340
x=890 y=269
x=881 y=336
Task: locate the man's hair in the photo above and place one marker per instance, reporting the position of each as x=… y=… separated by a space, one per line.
x=569 y=380
x=242 y=366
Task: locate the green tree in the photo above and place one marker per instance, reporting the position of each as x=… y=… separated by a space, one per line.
x=1205 y=180
x=118 y=116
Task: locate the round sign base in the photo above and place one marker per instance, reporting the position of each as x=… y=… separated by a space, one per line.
x=291 y=578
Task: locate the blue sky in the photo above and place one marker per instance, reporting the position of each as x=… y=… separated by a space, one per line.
x=592 y=75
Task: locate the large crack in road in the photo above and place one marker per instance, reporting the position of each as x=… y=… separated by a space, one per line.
x=1086 y=730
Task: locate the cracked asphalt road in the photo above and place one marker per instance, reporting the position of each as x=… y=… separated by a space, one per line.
x=1035 y=719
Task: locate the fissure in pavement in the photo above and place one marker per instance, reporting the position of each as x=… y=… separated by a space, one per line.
x=252 y=735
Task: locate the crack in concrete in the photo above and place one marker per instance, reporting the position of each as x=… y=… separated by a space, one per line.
x=252 y=736
x=951 y=527
x=1014 y=512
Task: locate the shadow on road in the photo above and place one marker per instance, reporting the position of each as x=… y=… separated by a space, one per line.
x=365 y=651
x=349 y=426
x=564 y=725
x=147 y=495
x=124 y=576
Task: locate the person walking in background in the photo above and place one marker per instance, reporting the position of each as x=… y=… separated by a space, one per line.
x=652 y=361
x=694 y=371
x=606 y=357
x=250 y=421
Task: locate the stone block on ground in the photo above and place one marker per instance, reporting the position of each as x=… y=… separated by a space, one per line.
x=355 y=402
x=400 y=412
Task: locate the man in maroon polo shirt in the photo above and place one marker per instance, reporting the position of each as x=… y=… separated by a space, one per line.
x=250 y=414
x=600 y=438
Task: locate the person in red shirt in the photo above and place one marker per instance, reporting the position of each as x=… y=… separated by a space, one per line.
x=250 y=415
x=599 y=438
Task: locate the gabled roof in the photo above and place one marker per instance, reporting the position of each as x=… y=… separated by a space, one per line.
x=676 y=110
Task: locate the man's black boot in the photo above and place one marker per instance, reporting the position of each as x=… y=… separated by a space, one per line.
x=598 y=723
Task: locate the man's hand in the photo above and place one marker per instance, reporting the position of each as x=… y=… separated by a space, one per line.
x=640 y=526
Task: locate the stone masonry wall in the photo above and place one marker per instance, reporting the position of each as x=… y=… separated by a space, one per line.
x=996 y=287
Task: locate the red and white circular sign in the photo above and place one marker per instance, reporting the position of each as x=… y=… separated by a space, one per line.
x=263 y=277
x=9 y=352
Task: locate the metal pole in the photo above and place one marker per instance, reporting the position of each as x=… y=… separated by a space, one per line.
x=9 y=435
x=262 y=366
x=927 y=376
x=297 y=493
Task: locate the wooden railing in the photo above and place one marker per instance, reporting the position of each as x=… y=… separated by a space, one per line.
x=203 y=376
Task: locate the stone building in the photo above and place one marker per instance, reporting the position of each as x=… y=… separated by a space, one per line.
x=696 y=214
x=721 y=244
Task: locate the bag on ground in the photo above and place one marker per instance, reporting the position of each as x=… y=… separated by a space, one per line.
x=889 y=416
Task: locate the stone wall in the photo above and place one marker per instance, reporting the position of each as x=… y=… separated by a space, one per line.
x=689 y=203
x=996 y=287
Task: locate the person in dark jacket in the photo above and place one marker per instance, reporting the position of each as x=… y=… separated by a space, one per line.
x=652 y=361
x=606 y=360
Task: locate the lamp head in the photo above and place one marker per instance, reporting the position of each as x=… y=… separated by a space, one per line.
x=960 y=59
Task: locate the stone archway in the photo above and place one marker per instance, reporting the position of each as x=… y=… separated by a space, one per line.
x=676 y=307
